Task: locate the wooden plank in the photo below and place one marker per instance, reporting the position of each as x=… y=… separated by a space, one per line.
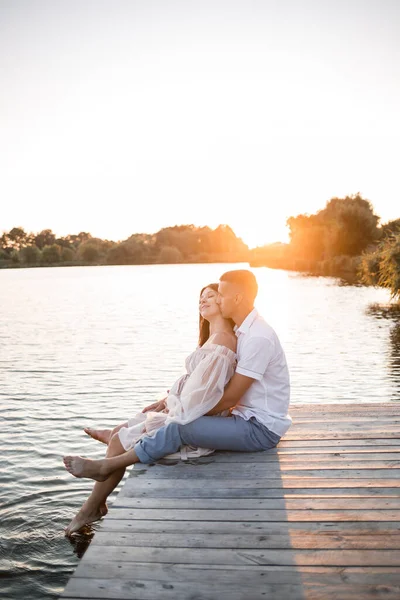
x=254 y=515
x=333 y=426
x=135 y=489
x=341 y=434
x=350 y=419
x=266 y=504
x=324 y=462
x=317 y=451
x=296 y=456
x=135 y=589
x=321 y=443
x=226 y=556
x=268 y=471
x=314 y=455
x=281 y=482
x=244 y=575
x=255 y=527
x=209 y=539
x=345 y=408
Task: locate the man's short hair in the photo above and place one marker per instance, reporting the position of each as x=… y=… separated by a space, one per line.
x=244 y=279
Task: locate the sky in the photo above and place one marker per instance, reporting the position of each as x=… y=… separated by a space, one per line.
x=126 y=116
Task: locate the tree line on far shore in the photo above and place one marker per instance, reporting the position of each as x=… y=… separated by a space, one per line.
x=344 y=239
x=178 y=244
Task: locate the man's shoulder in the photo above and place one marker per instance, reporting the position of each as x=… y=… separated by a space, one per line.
x=260 y=328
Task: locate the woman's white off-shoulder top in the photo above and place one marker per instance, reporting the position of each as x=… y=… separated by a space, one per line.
x=208 y=370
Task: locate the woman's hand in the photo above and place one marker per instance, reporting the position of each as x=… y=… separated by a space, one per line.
x=156 y=406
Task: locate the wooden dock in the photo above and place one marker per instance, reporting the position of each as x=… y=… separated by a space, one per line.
x=316 y=518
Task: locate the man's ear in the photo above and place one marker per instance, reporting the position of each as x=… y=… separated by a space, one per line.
x=238 y=298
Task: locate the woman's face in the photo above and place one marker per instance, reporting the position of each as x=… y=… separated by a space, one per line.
x=208 y=303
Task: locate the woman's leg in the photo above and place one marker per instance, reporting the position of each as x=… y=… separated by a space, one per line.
x=95 y=506
x=99 y=470
x=219 y=433
x=103 y=435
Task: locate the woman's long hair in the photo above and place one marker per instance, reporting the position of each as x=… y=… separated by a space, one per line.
x=204 y=325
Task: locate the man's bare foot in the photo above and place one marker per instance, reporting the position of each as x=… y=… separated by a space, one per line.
x=101 y=435
x=84 y=517
x=85 y=467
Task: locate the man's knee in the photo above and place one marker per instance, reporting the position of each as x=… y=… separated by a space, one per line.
x=186 y=432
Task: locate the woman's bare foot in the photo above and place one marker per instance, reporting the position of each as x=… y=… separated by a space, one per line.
x=86 y=467
x=85 y=517
x=101 y=435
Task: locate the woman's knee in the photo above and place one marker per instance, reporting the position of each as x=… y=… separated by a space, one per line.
x=114 y=445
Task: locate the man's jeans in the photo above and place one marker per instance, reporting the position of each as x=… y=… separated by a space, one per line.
x=219 y=433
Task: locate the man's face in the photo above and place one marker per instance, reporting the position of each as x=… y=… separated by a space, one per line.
x=226 y=299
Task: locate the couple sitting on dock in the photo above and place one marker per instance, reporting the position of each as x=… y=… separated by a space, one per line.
x=234 y=396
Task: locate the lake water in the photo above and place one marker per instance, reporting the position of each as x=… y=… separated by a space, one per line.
x=86 y=346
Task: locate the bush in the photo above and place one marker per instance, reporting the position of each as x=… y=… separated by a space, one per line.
x=389 y=266
x=15 y=257
x=67 y=255
x=51 y=254
x=169 y=255
x=382 y=266
x=89 y=252
x=30 y=255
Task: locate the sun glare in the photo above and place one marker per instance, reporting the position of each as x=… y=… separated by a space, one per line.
x=261 y=232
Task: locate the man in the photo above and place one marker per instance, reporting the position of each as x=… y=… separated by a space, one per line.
x=258 y=394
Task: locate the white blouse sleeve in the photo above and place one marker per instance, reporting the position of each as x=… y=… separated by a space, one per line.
x=204 y=388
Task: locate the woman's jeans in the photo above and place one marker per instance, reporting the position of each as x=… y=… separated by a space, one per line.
x=218 y=433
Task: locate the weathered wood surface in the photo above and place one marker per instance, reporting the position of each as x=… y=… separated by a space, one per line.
x=317 y=518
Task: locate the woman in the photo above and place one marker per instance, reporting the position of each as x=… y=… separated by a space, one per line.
x=209 y=368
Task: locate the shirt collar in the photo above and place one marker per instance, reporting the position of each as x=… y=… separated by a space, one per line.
x=247 y=323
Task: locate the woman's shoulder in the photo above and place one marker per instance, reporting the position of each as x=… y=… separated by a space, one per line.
x=229 y=340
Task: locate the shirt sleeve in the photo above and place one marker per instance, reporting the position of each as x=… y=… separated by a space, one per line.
x=255 y=356
x=202 y=390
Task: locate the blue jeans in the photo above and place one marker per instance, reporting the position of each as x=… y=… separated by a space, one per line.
x=219 y=433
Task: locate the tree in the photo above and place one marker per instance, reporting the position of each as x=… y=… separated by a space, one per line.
x=169 y=255
x=16 y=238
x=14 y=256
x=30 y=255
x=224 y=241
x=141 y=248
x=94 y=249
x=346 y=226
x=44 y=238
x=51 y=254
x=67 y=255
x=351 y=224
x=89 y=252
x=4 y=241
x=119 y=255
x=192 y=241
x=75 y=240
x=308 y=237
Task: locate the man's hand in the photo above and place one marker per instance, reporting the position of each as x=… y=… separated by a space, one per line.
x=156 y=406
x=238 y=385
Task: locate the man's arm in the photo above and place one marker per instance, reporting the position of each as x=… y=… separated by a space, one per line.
x=238 y=385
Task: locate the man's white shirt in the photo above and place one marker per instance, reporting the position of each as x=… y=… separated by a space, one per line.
x=261 y=357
